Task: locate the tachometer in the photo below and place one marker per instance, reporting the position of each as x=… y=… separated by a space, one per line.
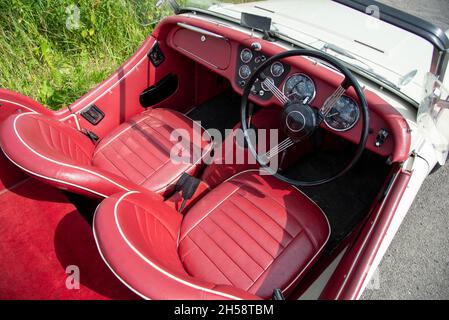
x=299 y=87
x=343 y=115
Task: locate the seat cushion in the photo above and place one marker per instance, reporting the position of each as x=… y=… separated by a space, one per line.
x=247 y=237
x=254 y=233
x=142 y=149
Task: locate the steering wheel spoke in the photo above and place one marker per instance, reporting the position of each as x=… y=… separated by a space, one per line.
x=269 y=84
x=331 y=101
x=273 y=152
x=299 y=119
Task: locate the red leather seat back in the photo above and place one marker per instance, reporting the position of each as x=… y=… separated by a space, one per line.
x=137 y=236
x=57 y=154
x=255 y=233
x=244 y=239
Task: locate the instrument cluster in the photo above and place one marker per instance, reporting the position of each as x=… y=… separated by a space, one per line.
x=299 y=87
x=248 y=61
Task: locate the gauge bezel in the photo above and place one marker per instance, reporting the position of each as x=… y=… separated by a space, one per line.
x=240 y=71
x=274 y=64
x=355 y=122
x=241 y=56
x=303 y=75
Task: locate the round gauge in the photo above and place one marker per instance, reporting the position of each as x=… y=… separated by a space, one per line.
x=277 y=69
x=244 y=71
x=246 y=55
x=344 y=114
x=299 y=87
x=264 y=87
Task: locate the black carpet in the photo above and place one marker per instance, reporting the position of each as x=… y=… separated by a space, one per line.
x=221 y=112
x=347 y=200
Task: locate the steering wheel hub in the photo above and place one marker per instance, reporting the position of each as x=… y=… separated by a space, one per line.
x=298 y=120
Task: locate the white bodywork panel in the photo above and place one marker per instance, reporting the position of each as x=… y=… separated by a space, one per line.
x=380 y=45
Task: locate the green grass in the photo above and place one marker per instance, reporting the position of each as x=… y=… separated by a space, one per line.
x=55 y=65
x=40 y=57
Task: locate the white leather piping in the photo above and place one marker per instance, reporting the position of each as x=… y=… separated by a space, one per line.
x=107 y=263
x=155 y=266
x=303 y=194
x=52 y=179
x=18 y=104
x=58 y=162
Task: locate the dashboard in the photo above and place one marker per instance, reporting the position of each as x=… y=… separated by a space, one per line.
x=297 y=87
x=235 y=55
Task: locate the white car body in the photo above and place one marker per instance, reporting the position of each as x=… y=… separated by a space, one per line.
x=391 y=52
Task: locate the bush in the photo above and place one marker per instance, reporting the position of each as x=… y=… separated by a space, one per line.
x=47 y=54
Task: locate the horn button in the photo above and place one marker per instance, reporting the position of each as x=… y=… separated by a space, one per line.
x=298 y=120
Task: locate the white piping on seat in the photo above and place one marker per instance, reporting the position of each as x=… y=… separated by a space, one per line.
x=152 y=264
x=18 y=104
x=205 y=152
x=319 y=251
x=58 y=162
x=303 y=194
x=107 y=263
x=118 y=135
x=53 y=179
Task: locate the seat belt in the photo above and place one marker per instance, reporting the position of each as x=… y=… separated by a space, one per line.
x=188 y=186
x=277 y=295
x=91 y=135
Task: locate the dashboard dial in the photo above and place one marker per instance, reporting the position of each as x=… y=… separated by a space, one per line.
x=246 y=55
x=245 y=72
x=277 y=69
x=343 y=115
x=299 y=87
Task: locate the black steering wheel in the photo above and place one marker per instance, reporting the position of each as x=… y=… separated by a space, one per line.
x=299 y=119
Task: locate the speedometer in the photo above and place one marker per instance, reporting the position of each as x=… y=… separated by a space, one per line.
x=344 y=114
x=299 y=87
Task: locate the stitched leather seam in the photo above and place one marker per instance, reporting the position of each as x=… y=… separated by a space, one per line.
x=277 y=256
x=311 y=238
x=259 y=225
x=128 y=163
x=238 y=245
x=225 y=253
x=208 y=212
x=245 y=231
x=114 y=165
x=210 y=259
x=265 y=213
x=135 y=152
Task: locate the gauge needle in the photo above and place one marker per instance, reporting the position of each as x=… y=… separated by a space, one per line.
x=333 y=114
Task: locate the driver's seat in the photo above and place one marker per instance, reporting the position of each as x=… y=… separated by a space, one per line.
x=248 y=237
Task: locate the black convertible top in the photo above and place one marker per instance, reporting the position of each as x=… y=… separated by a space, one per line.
x=405 y=21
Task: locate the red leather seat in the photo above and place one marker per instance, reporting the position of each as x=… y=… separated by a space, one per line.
x=135 y=156
x=249 y=236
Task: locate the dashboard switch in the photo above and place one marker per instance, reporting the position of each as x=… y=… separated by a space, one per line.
x=381 y=138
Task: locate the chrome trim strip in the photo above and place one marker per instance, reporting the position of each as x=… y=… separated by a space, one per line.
x=200 y=30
